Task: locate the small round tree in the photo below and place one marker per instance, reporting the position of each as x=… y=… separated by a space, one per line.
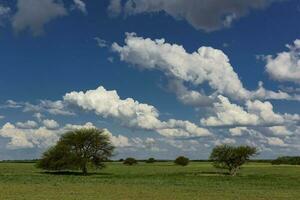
x=181 y=160
x=130 y=161
x=151 y=160
x=231 y=158
x=76 y=149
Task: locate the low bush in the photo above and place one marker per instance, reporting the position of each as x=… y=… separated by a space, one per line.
x=151 y=160
x=181 y=160
x=130 y=161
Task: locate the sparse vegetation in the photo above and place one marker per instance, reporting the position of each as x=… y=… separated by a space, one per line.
x=181 y=160
x=231 y=158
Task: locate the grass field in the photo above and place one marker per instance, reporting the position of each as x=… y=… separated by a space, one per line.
x=159 y=181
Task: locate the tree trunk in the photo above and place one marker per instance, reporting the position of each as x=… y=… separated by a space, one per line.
x=234 y=171
x=84 y=169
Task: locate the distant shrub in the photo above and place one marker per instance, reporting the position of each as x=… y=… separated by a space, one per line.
x=130 y=161
x=151 y=160
x=181 y=160
x=121 y=160
x=287 y=160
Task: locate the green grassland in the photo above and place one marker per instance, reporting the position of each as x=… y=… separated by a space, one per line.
x=158 y=181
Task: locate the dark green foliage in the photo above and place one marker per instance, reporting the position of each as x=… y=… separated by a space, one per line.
x=230 y=157
x=151 y=160
x=76 y=149
x=181 y=160
x=287 y=160
x=130 y=161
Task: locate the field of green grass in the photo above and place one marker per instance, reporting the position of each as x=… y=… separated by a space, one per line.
x=158 y=181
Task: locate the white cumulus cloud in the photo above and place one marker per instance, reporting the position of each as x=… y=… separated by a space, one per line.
x=257 y=113
x=206 y=65
x=286 y=65
x=50 y=124
x=48 y=135
x=131 y=113
x=274 y=141
x=28 y=138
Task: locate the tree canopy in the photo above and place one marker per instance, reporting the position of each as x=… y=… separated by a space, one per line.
x=151 y=160
x=181 y=160
x=76 y=149
x=230 y=157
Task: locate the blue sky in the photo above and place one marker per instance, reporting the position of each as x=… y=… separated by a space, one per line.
x=170 y=99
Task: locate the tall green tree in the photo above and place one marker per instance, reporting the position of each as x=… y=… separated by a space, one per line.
x=76 y=149
x=231 y=157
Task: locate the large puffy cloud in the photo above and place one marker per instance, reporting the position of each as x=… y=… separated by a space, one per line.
x=208 y=15
x=50 y=124
x=274 y=141
x=28 y=138
x=108 y=104
x=262 y=93
x=228 y=114
x=286 y=65
x=33 y=14
x=21 y=137
x=206 y=65
x=188 y=97
x=117 y=141
x=280 y=131
x=268 y=138
x=265 y=112
x=238 y=131
x=257 y=113
x=131 y=113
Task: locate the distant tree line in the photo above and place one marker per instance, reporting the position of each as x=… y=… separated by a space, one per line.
x=287 y=160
